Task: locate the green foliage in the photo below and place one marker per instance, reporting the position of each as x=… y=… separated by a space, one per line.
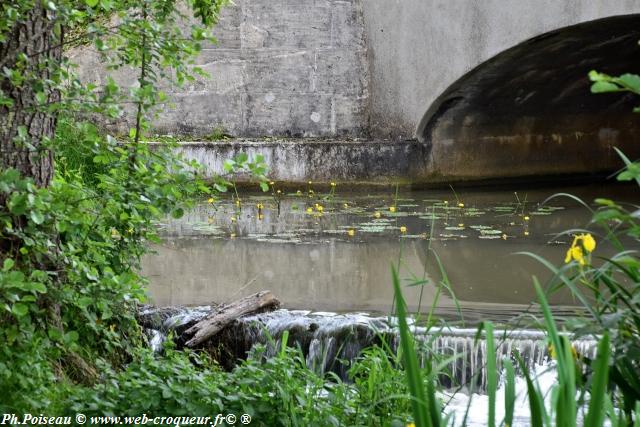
x=609 y=288
x=604 y=83
x=382 y=390
x=425 y=405
x=276 y=391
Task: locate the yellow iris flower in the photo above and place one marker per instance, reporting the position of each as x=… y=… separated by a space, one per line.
x=582 y=245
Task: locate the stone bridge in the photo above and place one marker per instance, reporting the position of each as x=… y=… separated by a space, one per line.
x=447 y=89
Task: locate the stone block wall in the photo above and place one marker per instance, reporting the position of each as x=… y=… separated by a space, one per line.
x=292 y=68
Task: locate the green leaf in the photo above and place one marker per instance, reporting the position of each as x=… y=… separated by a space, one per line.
x=509 y=393
x=630 y=81
x=36 y=216
x=264 y=186
x=177 y=213
x=71 y=336
x=85 y=302
x=425 y=411
x=38 y=287
x=603 y=87
x=595 y=416
x=8 y=264
x=20 y=309
x=492 y=376
x=241 y=158
x=228 y=165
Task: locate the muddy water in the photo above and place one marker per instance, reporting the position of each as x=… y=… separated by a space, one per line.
x=333 y=251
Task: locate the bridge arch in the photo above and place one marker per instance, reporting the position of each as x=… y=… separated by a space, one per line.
x=528 y=110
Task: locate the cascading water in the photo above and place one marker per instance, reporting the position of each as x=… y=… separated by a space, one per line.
x=331 y=342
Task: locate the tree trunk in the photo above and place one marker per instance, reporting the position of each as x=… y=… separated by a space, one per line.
x=29 y=123
x=223 y=315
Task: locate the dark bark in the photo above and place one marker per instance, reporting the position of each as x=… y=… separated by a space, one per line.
x=35 y=38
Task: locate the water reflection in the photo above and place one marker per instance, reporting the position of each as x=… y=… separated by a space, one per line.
x=299 y=247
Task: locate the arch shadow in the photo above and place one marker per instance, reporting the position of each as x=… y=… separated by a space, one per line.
x=528 y=111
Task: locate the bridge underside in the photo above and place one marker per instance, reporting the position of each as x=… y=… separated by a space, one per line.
x=528 y=111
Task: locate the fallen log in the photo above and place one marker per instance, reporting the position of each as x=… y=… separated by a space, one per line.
x=223 y=315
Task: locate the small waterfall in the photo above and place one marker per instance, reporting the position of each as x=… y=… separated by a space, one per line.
x=468 y=369
x=330 y=342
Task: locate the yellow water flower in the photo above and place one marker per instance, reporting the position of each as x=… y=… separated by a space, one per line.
x=351 y=232
x=333 y=184
x=233 y=219
x=309 y=210
x=346 y=205
x=403 y=229
x=575 y=253
x=309 y=182
x=446 y=202
x=260 y=216
x=392 y=208
x=279 y=191
x=299 y=193
x=461 y=225
x=526 y=233
x=210 y=200
x=232 y=235
x=461 y=205
x=377 y=214
x=237 y=202
x=588 y=242
x=319 y=208
x=581 y=243
x=260 y=206
x=526 y=218
x=272 y=183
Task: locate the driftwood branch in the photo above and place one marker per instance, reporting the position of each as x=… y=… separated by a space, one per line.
x=223 y=315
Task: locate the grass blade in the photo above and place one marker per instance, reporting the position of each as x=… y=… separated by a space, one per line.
x=509 y=393
x=492 y=380
x=414 y=375
x=536 y=402
x=595 y=416
x=566 y=404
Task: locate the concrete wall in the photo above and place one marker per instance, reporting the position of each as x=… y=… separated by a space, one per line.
x=348 y=68
x=417 y=48
x=281 y=67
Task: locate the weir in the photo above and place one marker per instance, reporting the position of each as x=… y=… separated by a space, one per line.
x=331 y=342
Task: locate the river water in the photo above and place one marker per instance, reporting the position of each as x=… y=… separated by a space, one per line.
x=332 y=250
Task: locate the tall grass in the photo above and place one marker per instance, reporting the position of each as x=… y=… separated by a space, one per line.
x=425 y=406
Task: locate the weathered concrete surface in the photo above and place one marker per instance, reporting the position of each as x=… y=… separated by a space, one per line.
x=374 y=163
x=292 y=68
x=341 y=69
x=321 y=161
x=528 y=111
x=347 y=67
x=417 y=48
